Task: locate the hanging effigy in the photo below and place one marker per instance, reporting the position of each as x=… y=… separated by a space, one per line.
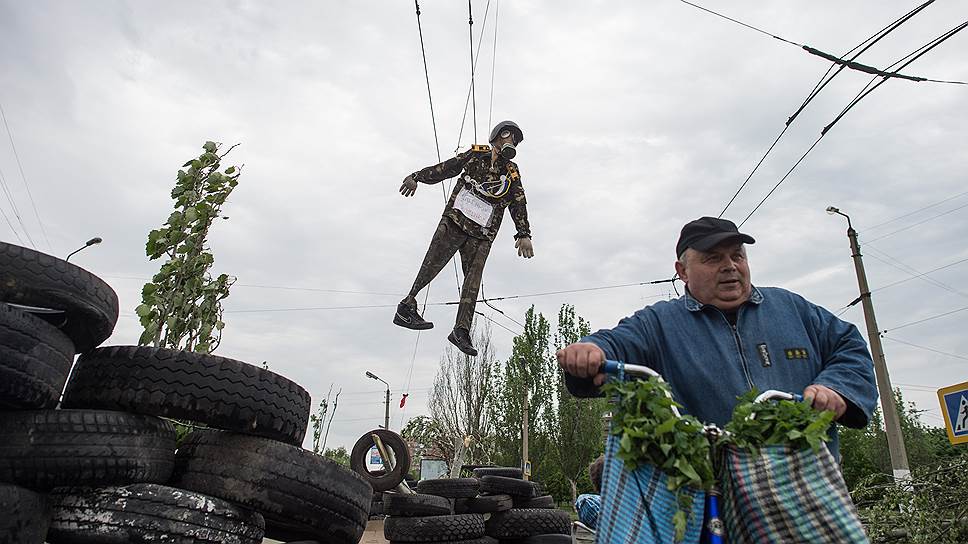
x=488 y=183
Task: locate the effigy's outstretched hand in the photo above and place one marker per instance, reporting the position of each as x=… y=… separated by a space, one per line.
x=524 y=247
x=409 y=186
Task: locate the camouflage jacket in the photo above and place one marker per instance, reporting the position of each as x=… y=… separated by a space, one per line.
x=499 y=186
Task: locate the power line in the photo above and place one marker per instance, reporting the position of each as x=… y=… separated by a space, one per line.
x=490 y=107
x=911 y=226
x=913 y=271
x=885 y=331
x=929 y=206
x=924 y=348
x=918 y=276
x=24 y=177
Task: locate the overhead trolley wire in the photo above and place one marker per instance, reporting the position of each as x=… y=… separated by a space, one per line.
x=824 y=80
x=24 y=178
x=904 y=61
x=751 y=27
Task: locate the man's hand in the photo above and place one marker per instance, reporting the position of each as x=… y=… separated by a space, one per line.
x=584 y=360
x=409 y=186
x=524 y=247
x=825 y=398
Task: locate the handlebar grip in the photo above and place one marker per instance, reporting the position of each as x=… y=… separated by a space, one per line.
x=611 y=367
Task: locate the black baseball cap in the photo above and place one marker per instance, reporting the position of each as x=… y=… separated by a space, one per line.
x=706 y=233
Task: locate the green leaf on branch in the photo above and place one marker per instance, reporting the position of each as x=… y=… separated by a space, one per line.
x=210 y=147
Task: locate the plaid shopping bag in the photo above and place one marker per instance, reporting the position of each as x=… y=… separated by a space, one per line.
x=637 y=508
x=786 y=495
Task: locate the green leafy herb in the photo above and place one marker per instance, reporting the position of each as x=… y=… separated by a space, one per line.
x=651 y=434
x=785 y=422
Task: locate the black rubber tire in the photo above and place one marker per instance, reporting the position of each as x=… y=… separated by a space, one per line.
x=541 y=539
x=380 y=480
x=24 y=515
x=481 y=540
x=507 y=472
x=544 y=501
x=302 y=495
x=500 y=485
x=452 y=488
x=146 y=513
x=404 y=504
x=35 y=358
x=525 y=522
x=483 y=504
x=217 y=391
x=434 y=528
x=43 y=449
x=377 y=509
x=33 y=278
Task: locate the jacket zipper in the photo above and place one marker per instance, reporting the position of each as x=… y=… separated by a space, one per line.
x=742 y=356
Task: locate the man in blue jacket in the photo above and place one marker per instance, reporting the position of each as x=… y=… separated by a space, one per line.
x=724 y=337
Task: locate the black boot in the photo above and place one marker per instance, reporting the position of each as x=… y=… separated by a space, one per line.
x=408 y=317
x=461 y=339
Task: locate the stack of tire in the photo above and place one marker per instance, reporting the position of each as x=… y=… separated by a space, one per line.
x=526 y=517
x=103 y=467
x=497 y=505
x=428 y=515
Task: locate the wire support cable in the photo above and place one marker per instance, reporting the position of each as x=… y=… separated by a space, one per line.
x=749 y=26
x=920 y=275
x=430 y=97
x=470 y=88
x=490 y=105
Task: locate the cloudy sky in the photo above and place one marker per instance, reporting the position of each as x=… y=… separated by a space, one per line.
x=637 y=117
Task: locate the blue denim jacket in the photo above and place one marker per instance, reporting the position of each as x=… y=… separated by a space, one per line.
x=780 y=341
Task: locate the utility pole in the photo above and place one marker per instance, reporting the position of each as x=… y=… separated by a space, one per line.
x=895 y=440
x=524 y=434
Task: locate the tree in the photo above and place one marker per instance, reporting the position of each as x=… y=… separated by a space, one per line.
x=181 y=307
x=575 y=429
x=318 y=419
x=864 y=451
x=340 y=455
x=460 y=397
x=525 y=372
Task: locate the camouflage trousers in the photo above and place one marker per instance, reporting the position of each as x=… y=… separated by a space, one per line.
x=448 y=240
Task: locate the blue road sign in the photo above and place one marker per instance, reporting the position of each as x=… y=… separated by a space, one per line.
x=954 y=409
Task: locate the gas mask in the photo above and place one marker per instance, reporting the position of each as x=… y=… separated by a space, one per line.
x=507 y=151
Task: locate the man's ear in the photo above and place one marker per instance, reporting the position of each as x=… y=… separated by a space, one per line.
x=681 y=271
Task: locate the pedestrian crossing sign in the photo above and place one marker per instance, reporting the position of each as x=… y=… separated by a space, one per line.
x=954 y=408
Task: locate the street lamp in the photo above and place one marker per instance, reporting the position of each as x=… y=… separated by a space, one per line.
x=895 y=440
x=386 y=421
x=89 y=243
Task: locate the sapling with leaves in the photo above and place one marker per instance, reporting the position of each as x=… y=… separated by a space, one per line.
x=181 y=307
